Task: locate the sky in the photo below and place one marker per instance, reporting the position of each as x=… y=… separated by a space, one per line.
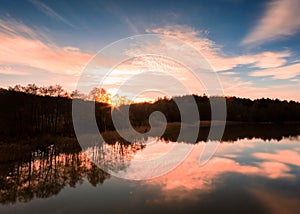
x=252 y=46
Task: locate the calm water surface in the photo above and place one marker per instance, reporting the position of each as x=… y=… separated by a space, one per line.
x=245 y=176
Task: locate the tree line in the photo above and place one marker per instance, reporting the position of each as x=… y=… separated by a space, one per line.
x=30 y=110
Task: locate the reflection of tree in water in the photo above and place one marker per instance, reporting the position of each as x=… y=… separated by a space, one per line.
x=44 y=173
x=48 y=170
x=234 y=132
x=114 y=157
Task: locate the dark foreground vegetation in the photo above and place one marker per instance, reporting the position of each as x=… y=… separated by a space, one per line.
x=31 y=111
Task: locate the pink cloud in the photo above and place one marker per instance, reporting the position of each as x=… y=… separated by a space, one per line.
x=235 y=86
x=11 y=71
x=213 y=53
x=284 y=72
x=24 y=52
x=167 y=70
x=282 y=18
x=232 y=86
x=17 y=50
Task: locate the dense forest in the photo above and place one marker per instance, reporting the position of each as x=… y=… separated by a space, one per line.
x=31 y=110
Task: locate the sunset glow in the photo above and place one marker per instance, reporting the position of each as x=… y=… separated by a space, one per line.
x=253 y=61
x=157 y=106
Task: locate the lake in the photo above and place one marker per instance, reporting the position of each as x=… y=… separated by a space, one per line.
x=251 y=171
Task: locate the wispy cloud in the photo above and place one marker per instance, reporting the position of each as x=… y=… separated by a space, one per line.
x=12 y=71
x=50 y=12
x=214 y=54
x=11 y=27
x=132 y=26
x=282 y=18
x=268 y=63
x=21 y=49
x=23 y=53
x=117 y=11
x=284 y=72
x=227 y=66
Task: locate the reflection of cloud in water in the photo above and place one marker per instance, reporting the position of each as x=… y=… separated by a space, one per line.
x=151 y=158
x=190 y=176
x=283 y=156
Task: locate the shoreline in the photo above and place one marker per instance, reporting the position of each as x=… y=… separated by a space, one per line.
x=234 y=130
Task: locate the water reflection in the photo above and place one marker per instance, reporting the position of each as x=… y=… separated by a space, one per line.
x=238 y=172
x=178 y=184
x=243 y=169
x=233 y=132
x=48 y=169
x=45 y=173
